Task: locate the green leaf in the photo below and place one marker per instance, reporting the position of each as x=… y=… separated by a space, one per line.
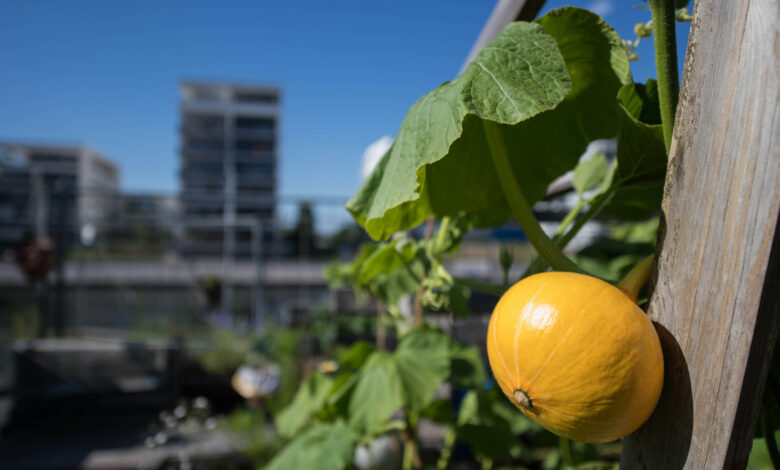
x=590 y=173
x=387 y=258
x=458 y=300
x=469 y=408
x=338 y=274
x=341 y=393
x=439 y=411
x=422 y=359
x=551 y=86
x=377 y=394
x=466 y=367
x=356 y=355
x=325 y=446
x=641 y=154
x=392 y=286
x=449 y=235
x=309 y=399
x=595 y=466
x=494 y=441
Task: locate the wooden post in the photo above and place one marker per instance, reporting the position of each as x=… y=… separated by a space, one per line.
x=716 y=298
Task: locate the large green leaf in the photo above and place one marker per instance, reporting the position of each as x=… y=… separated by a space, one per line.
x=550 y=84
x=641 y=154
x=423 y=362
x=377 y=394
x=309 y=398
x=328 y=446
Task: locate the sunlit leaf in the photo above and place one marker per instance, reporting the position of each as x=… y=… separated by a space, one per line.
x=550 y=84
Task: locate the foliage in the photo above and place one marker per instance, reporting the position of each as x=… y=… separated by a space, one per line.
x=551 y=86
x=471 y=153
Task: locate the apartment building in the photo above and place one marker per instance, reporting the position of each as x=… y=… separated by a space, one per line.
x=51 y=190
x=229 y=160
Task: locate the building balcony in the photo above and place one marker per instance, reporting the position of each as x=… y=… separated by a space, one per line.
x=249 y=180
x=202 y=155
x=191 y=129
x=257 y=199
x=251 y=157
x=202 y=177
x=254 y=133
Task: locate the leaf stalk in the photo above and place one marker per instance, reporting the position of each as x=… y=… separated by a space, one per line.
x=519 y=206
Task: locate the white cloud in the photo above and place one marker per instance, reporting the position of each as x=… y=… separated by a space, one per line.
x=373 y=154
x=602 y=7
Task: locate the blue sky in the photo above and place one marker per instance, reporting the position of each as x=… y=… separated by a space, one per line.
x=105 y=73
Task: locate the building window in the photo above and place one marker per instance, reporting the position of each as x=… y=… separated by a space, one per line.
x=248 y=97
x=255 y=124
x=255 y=169
x=205 y=145
x=204 y=168
x=255 y=147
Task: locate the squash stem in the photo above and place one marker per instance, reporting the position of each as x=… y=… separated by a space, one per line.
x=519 y=206
x=636 y=278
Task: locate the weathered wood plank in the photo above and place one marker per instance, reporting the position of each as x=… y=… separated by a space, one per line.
x=717 y=295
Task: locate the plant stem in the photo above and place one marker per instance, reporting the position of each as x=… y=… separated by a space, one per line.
x=666 y=63
x=381 y=331
x=409 y=437
x=518 y=205
x=595 y=207
x=538 y=265
x=636 y=278
x=443 y=227
x=569 y=218
x=769 y=437
x=564 y=446
x=481 y=286
x=446 y=453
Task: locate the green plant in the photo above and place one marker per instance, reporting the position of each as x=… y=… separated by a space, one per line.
x=472 y=153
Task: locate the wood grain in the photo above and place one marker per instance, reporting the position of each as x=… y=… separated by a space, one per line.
x=716 y=298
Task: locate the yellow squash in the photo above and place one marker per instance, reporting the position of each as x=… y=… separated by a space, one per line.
x=576 y=355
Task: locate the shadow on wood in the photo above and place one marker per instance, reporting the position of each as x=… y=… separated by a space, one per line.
x=675 y=404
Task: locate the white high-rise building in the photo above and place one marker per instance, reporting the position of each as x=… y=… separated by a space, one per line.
x=229 y=161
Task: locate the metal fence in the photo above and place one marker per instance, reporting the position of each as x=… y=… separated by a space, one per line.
x=76 y=259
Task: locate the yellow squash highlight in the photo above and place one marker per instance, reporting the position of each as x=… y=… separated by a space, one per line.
x=576 y=355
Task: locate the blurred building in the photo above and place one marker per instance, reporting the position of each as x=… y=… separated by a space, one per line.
x=49 y=190
x=229 y=160
x=148 y=210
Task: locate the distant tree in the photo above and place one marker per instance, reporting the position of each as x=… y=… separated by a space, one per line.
x=302 y=238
